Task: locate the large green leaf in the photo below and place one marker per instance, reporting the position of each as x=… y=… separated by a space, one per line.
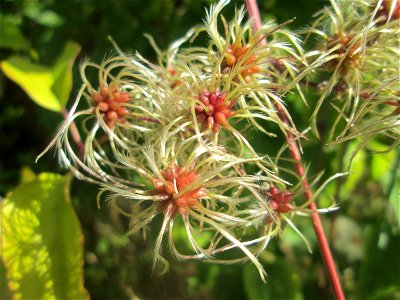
x=42 y=241
x=35 y=80
x=47 y=86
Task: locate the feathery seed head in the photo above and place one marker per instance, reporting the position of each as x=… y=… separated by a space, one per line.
x=110 y=102
x=347 y=51
x=358 y=50
x=214 y=111
x=243 y=56
x=208 y=182
x=280 y=200
x=176 y=179
x=234 y=54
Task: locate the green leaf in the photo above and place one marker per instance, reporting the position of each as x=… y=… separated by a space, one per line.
x=181 y=239
x=42 y=241
x=47 y=86
x=4 y=291
x=37 y=12
x=35 y=80
x=385 y=169
x=26 y=175
x=394 y=198
x=62 y=71
x=282 y=282
x=383 y=165
x=379 y=271
x=11 y=36
x=357 y=169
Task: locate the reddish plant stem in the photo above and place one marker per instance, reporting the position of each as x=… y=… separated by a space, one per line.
x=393 y=103
x=366 y=94
x=318 y=228
x=149 y=119
x=75 y=134
x=254 y=13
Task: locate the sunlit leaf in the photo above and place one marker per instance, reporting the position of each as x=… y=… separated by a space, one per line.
x=383 y=165
x=357 y=169
x=35 y=80
x=27 y=175
x=47 y=86
x=62 y=71
x=395 y=199
x=385 y=169
x=42 y=241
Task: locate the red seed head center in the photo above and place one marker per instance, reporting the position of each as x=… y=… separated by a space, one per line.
x=214 y=110
x=176 y=180
x=109 y=102
x=280 y=201
x=234 y=53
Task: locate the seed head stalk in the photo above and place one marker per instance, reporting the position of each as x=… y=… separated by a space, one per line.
x=254 y=13
x=75 y=134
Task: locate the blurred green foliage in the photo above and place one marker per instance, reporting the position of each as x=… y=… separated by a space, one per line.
x=34 y=35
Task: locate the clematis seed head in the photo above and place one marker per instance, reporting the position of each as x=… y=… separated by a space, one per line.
x=234 y=54
x=176 y=179
x=213 y=110
x=110 y=102
x=280 y=200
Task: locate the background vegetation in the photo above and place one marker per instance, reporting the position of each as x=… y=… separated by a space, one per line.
x=364 y=233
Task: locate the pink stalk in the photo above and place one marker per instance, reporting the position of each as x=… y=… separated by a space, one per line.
x=254 y=13
x=75 y=134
